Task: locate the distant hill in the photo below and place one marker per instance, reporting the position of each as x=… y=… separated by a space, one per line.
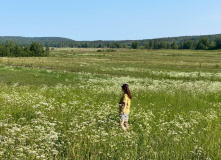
x=185 y=38
x=65 y=42
x=28 y=40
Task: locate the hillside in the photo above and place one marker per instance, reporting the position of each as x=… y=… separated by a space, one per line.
x=65 y=42
x=28 y=40
x=185 y=38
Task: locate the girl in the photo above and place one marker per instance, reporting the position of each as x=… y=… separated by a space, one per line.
x=124 y=107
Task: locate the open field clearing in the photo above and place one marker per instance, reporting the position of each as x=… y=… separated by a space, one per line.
x=66 y=106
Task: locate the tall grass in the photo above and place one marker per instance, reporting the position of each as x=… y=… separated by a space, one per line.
x=51 y=114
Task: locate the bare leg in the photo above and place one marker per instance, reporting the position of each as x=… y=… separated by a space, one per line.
x=122 y=126
x=126 y=124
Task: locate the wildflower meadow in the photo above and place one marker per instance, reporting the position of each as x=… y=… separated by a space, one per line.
x=65 y=106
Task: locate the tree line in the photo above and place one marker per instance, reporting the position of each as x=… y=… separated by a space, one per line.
x=11 y=49
x=202 y=44
x=206 y=42
x=193 y=43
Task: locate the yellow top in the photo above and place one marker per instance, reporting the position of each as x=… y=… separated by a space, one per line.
x=124 y=99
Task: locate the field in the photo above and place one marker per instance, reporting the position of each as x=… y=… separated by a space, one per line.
x=66 y=106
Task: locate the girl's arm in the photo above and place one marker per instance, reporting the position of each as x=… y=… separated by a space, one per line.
x=124 y=107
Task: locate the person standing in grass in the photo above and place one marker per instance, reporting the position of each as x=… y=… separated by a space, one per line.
x=124 y=107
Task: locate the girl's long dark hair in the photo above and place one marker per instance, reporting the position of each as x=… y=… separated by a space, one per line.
x=126 y=90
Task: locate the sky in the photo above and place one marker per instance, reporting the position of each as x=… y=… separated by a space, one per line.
x=109 y=19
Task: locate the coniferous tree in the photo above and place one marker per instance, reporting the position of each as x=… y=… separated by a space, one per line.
x=218 y=44
x=181 y=45
x=156 y=44
x=7 y=52
x=151 y=44
x=47 y=50
x=1 y=50
x=12 y=47
x=18 y=51
x=37 y=49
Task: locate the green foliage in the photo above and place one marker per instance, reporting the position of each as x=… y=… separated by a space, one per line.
x=218 y=44
x=47 y=51
x=174 y=45
x=181 y=45
x=206 y=42
x=36 y=50
x=146 y=46
x=188 y=44
x=203 y=44
x=156 y=44
x=134 y=45
x=163 y=45
x=115 y=45
x=151 y=44
x=10 y=49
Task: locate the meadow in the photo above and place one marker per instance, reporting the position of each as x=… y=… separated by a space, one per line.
x=65 y=106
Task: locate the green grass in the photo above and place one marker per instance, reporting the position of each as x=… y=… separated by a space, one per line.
x=66 y=106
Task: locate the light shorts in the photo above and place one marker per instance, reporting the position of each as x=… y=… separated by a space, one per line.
x=123 y=117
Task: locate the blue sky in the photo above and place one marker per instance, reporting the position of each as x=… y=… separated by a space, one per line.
x=109 y=20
